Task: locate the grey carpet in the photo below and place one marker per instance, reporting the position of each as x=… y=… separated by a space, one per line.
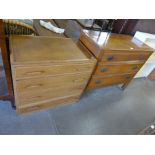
x=102 y=111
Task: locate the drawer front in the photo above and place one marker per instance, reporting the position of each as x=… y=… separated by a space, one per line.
x=47 y=105
x=34 y=97
x=103 y=70
x=98 y=82
x=112 y=57
x=52 y=70
x=29 y=85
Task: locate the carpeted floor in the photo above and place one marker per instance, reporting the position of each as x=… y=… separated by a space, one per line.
x=102 y=111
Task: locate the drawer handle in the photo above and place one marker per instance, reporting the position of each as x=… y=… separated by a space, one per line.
x=34 y=73
x=104 y=70
x=98 y=81
x=34 y=86
x=110 y=58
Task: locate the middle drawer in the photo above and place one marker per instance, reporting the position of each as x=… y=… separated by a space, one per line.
x=29 y=85
x=109 y=69
x=51 y=70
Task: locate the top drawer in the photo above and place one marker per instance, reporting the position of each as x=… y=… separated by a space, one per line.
x=126 y=56
x=52 y=70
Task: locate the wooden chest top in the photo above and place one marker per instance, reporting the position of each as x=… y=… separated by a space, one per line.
x=110 y=41
x=34 y=49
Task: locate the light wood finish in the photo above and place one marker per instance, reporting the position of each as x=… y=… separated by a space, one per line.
x=48 y=71
x=112 y=56
x=104 y=69
x=51 y=70
x=99 y=43
x=111 y=41
x=89 y=44
x=98 y=82
x=35 y=97
x=117 y=55
x=59 y=49
x=35 y=84
x=48 y=104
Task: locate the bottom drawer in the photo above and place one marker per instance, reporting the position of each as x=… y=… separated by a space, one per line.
x=47 y=105
x=34 y=97
x=98 y=82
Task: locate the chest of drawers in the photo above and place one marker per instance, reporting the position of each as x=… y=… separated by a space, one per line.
x=48 y=72
x=119 y=57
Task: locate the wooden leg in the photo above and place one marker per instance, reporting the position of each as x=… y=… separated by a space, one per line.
x=125 y=85
x=7 y=68
x=6 y=62
x=12 y=100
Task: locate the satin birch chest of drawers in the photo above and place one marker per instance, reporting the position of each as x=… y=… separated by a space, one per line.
x=119 y=57
x=48 y=72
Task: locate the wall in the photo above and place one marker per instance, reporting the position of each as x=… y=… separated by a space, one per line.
x=145 y=25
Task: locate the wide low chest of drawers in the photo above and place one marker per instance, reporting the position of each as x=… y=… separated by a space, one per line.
x=48 y=72
x=119 y=57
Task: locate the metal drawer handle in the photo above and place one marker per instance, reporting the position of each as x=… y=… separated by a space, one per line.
x=110 y=58
x=98 y=81
x=104 y=70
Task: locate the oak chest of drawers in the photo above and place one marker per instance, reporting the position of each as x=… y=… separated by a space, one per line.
x=119 y=57
x=48 y=72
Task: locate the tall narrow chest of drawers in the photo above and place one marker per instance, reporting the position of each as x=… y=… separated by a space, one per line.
x=48 y=72
x=119 y=57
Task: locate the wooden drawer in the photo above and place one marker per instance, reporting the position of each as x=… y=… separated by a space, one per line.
x=51 y=70
x=109 y=69
x=37 y=97
x=47 y=104
x=29 y=85
x=126 y=56
x=97 y=82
